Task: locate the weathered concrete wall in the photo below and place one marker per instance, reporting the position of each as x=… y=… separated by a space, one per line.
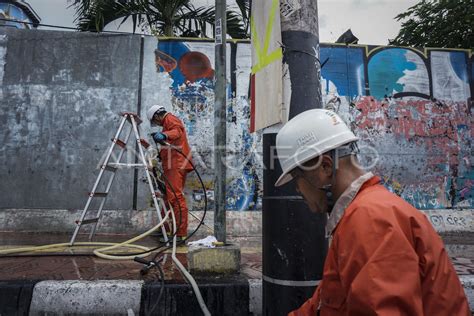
x=60 y=92
x=60 y=95
x=448 y=222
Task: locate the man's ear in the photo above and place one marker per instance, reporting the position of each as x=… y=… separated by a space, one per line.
x=327 y=164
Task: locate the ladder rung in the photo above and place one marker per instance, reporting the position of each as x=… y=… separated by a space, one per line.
x=126 y=165
x=144 y=143
x=109 y=168
x=87 y=221
x=98 y=194
x=119 y=142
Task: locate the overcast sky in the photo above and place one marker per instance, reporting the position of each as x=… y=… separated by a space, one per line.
x=370 y=20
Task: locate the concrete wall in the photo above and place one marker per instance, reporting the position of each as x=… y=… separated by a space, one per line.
x=60 y=95
x=61 y=90
x=186 y=87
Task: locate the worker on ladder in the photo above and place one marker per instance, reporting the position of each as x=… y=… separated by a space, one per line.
x=175 y=165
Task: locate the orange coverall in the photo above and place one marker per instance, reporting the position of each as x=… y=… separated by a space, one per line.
x=385 y=258
x=175 y=168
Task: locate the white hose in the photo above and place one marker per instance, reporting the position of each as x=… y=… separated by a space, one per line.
x=185 y=272
x=100 y=251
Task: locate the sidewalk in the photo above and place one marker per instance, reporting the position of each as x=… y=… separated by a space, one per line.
x=54 y=284
x=66 y=284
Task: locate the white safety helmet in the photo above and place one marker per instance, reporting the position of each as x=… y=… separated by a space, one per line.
x=154 y=109
x=307 y=136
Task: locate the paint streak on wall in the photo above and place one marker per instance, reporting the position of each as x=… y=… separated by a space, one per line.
x=3 y=53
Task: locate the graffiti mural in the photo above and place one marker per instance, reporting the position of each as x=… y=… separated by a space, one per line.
x=397 y=72
x=414 y=118
x=344 y=71
x=19 y=11
x=191 y=68
x=410 y=107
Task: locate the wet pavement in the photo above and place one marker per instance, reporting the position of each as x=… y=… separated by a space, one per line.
x=19 y=277
x=81 y=264
x=85 y=266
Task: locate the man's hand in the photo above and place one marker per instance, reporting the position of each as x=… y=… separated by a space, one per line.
x=158 y=137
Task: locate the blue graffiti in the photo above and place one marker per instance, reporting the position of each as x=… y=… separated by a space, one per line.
x=15 y=13
x=385 y=68
x=174 y=50
x=344 y=67
x=459 y=64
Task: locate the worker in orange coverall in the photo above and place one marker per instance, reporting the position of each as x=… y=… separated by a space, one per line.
x=384 y=257
x=175 y=165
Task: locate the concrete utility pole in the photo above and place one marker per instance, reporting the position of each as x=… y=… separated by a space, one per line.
x=294 y=244
x=220 y=132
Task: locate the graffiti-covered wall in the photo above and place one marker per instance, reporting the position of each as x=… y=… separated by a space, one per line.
x=60 y=93
x=190 y=70
x=410 y=107
x=18 y=11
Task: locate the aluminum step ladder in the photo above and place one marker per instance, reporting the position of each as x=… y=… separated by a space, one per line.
x=112 y=168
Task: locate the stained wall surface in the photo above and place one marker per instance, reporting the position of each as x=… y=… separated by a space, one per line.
x=60 y=92
x=60 y=95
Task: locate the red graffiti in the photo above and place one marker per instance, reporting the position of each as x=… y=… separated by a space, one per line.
x=195 y=65
x=412 y=118
x=164 y=61
x=440 y=128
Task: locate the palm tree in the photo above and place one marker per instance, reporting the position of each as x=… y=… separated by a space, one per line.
x=163 y=17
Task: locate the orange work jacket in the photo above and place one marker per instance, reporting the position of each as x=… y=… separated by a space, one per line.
x=385 y=258
x=175 y=133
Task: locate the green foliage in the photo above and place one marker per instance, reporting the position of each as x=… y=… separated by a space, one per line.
x=163 y=17
x=437 y=23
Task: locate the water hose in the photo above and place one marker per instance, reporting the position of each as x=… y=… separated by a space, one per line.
x=186 y=274
x=98 y=252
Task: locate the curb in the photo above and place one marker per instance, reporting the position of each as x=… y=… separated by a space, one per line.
x=247 y=223
x=15 y=296
x=86 y=297
x=451 y=220
x=122 y=297
x=255 y=296
x=230 y=298
x=467 y=282
x=138 y=298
